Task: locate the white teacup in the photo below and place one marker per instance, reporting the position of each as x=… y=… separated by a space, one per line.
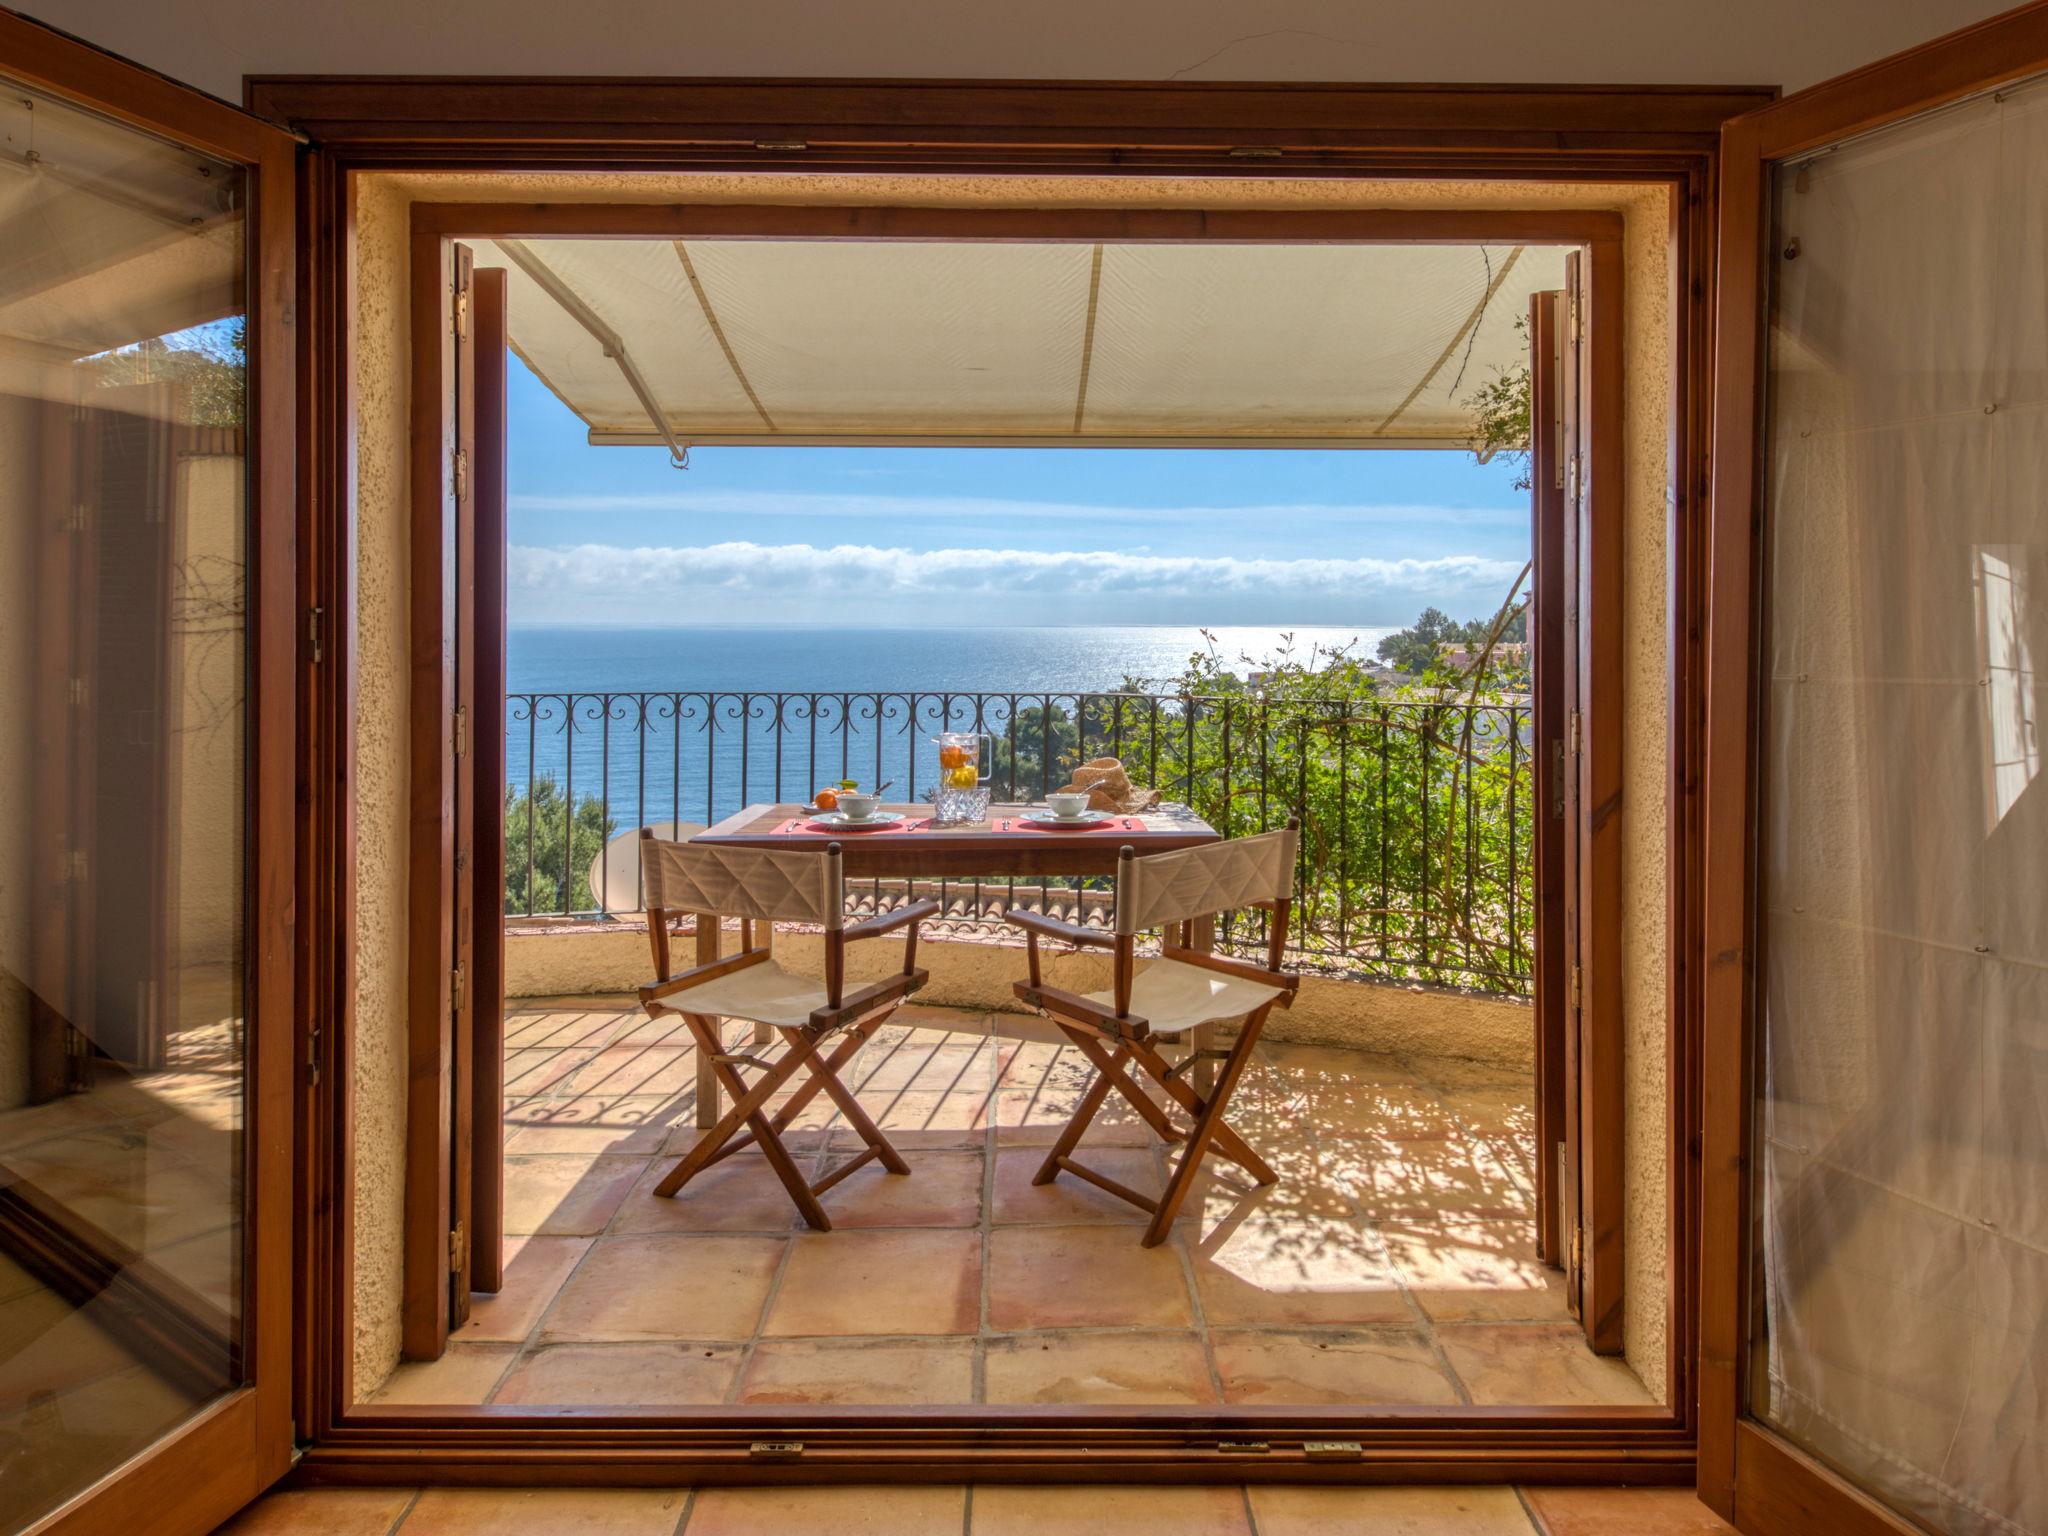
x=859 y=807
x=1066 y=805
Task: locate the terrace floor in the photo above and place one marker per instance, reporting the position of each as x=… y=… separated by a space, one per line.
x=1392 y=1263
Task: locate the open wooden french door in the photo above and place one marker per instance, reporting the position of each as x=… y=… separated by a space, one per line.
x=147 y=511
x=1575 y=536
x=454 y=1158
x=1873 y=1294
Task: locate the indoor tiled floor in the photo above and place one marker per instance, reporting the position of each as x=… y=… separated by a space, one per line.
x=1392 y=1263
x=985 y=1511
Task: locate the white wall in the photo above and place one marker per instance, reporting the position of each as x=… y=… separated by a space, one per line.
x=213 y=43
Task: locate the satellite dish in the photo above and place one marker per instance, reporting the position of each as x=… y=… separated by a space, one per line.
x=615 y=872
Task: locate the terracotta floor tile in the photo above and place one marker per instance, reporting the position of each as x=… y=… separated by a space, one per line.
x=465 y=1374
x=921 y=1118
x=1535 y=1364
x=541 y=1069
x=1390 y=1179
x=586 y=1027
x=942 y=1189
x=1070 y=1199
x=1393 y=1110
x=859 y=1371
x=879 y=1283
x=1004 y=1510
x=840 y=1511
x=1084 y=1277
x=592 y=1124
x=1489 y=1111
x=321 y=1512
x=928 y=1060
x=1300 y=1511
x=686 y=1286
x=1624 y=1512
x=1475 y=1271
x=1381 y=1366
x=535 y=1270
x=1451 y=1073
x=1317 y=1066
x=1099 y=1368
x=1283 y=1273
x=623 y=1375
x=1032 y=1117
x=741 y=1194
x=556 y=1511
x=563 y=1196
x=637 y=1069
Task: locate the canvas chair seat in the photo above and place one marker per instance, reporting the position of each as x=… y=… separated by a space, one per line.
x=761 y=994
x=1173 y=997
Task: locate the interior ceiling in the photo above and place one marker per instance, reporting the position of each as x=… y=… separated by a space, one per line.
x=743 y=341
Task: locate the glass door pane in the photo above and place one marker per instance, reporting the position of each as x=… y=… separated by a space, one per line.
x=123 y=531
x=1902 y=1131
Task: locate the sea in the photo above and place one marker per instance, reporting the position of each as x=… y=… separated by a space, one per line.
x=797 y=660
x=708 y=742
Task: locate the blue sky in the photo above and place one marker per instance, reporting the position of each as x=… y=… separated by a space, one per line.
x=989 y=536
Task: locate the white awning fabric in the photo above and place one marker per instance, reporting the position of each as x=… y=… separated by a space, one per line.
x=1066 y=345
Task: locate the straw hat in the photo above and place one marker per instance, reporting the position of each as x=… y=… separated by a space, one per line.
x=1109 y=788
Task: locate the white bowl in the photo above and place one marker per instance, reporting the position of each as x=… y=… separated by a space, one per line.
x=1064 y=806
x=859 y=807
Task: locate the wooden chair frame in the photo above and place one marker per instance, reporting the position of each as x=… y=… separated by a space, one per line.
x=859 y=1014
x=1111 y=1039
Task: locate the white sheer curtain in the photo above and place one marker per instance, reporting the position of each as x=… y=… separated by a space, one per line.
x=1903 y=1164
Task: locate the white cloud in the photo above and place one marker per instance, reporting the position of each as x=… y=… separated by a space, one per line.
x=764 y=583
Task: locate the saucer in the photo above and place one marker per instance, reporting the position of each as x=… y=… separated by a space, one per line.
x=1048 y=819
x=839 y=821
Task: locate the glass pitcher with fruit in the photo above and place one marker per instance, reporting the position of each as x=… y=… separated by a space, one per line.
x=966 y=759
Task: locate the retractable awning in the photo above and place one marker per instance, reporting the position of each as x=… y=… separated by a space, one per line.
x=1018 y=344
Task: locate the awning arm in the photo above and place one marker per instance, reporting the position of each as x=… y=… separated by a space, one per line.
x=572 y=303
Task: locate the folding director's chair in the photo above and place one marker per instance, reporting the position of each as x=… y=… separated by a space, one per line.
x=770 y=886
x=1171 y=996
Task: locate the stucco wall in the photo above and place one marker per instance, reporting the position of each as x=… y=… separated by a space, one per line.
x=381 y=468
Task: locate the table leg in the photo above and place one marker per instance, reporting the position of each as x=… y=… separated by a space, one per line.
x=1202 y=937
x=759 y=935
x=707 y=1076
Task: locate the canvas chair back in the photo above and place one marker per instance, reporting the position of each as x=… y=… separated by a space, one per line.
x=758 y=883
x=1198 y=882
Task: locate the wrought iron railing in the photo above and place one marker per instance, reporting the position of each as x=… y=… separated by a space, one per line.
x=1416 y=854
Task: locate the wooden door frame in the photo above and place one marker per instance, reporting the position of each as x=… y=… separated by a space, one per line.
x=206 y=1468
x=1658 y=137
x=1748 y=1473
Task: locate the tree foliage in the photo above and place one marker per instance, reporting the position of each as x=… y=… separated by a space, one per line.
x=546 y=853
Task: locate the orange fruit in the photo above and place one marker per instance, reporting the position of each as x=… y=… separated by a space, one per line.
x=952 y=757
x=828 y=800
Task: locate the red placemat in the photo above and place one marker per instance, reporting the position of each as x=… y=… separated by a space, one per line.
x=807 y=826
x=1114 y=824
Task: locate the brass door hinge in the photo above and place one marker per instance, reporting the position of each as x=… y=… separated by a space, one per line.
x=461 y=473
x=316 y=638
x=458 y=989
x=1574 y=733
x=1571 y=990
x=458 y=1249
x=462 y=313
x=461 y=729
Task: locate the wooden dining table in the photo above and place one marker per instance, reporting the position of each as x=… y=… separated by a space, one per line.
x=1001 y=847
